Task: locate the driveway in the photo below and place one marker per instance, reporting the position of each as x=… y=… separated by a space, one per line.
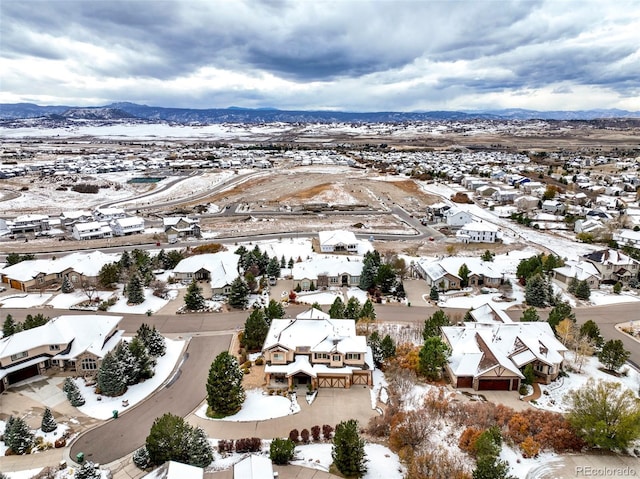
x=117 y=438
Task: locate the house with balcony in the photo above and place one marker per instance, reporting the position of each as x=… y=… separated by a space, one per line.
x=491 y=356
x=32 y=223
x=313 y=349
x=66 y=343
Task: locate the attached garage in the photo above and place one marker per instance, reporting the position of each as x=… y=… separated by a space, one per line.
x=362 y=379
x=464 y=382
x=332 y=382
x=22 y=374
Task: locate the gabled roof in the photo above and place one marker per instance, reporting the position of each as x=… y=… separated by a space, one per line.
x=88 y=333
x=87 y=264
x=488 y=314
x=581 y=270
x=253 y=467
x=610 y=256
x=327 y=265
x=438 y=268
x=478 y=348
x=479 y=226
x=178 y=470
x=336 y=237
x=222 y=267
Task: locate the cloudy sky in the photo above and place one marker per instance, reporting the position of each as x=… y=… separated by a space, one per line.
x=353 y=55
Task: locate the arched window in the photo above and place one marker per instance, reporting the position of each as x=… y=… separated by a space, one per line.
x=89 y=364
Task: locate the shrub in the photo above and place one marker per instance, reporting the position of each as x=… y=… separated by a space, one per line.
x=248 y=444
x=315 y=433
x=259 y=361
x=61 y=442
x=468 y=439
x=327 y=431
x=294 y=435
x=529 y=447
x=141 y=458
x=225 y=446
x=304 y=434
x=281 y=451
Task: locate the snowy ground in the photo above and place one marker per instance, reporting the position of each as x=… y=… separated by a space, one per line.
x=553 y=395
x=103 y=408
x=258 y=406
x=324 y=297
x=26 y=300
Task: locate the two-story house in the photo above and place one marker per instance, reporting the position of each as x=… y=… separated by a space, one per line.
x=181 y=226
x=127 y=226
x=317 y=350
x=477 y=232
x=74 y=343
x=91 y=230
x=29 y=223
x=613 y=265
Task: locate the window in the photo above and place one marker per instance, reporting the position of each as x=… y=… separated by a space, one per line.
x=333 y=280
x=278 y=356
x=23 y=354
x=336 y=358
x=89 y=364
x=353 y=355
x=322 y=356
x=54 y=347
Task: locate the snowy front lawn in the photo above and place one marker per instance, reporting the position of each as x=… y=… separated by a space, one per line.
x=258 y=406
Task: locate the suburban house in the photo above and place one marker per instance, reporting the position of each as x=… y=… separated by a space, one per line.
x=91 y=230
x=314 y=349
x=553 y=207
x=108 y=214
x=326 y=271
x=337 y=241
x=478 y=232
x=34 y=275
x=526 y=203
x=69 y=218
x=491 y=356
x=590 y=226
x=72 y=343
x=580 y=270
x=443 y=273
x=127 y=226
x=627 y=237
x=218 y=269
x=32 y=223
x=613 y=265
x=455 y=217
x=181 y=226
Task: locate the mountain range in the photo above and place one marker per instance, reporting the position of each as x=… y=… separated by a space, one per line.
x=132 y=111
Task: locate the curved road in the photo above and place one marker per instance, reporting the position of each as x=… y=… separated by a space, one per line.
x=180 y=396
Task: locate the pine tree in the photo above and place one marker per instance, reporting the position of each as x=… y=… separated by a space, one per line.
x=352 y=309
x=200 y=451
x=283 y=262
x=255 y=330
x=128 y=363
x=88 y=470
x=225 y=393
x=111 y=378
x=535 y=292
x=369 y=273
x=193 y=299
x=168 y=440
x=73 y=393
x=613 y=355
x=125 y=260
x=17 y=436
x=582 y=290
x=336 y=311
x=387 y=347
x=591 y=330
x=281 y=451
x=67 y=286
x=367 y=311
x=144 y=362
x=464 y=272
x=433 y=324
x=348 y=452
x=290 y=263
x=530 y=315
x=573 y=285
x=239 y=295
x=9 y=327
x=155 y=343
x=141 y=458
x=135 y=291
x=374 y=343
x=273 y=310
x=433 y=294
x=433 y=357
x=48 y=422
x=559 y=312
x=273 y=267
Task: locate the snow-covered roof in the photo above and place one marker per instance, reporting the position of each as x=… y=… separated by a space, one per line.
x=89 y=226
x=437 y=268
x=222 y=266
x=610 y=256
x=87 y=264
x=480 y=347
x=313 y=313
x=130 y=221
x=88 y=333
x=174 y=220
x=327 y=265
x=336 y=237
x=479 y=226
x=581 y=270
x=178 y=470
x=488 y=314
x=252 y=467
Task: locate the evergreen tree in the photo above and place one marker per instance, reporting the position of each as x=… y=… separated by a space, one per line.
x=369 y=273
x=283 y=262
x=239 y=295
x=433 y=294
x=152 y=340
x=374 y=343
x=487 y=256
x=200 y=451
x=273 y=310
x=125 y=260
x=88 y=470
x=573 y=285
x=48 y=422
x=290 y=263
x=348 y=452
x=535 y=292
x=352 y=309
x=464 y=272
x=591 y=330
x=111 y=378
x=273 y=268
x=160 y=258
x=31 y=321
x=144 y=363
x=135 y=291
x=9 y=327
x=530 y=315
x=385 y=277
x=281 y=451
x=317 y=306
x=613 y=355
x=73 y=393
x=193 y=299
x=387 y=347
x=336 y=311
x=141 y=458
x=433 y=324
x=529 y=374
x=168 y=440
x=67 y=286
x=491 y=467
x=128 y=363
x=109 y=275
x=225 y=394
x=367 y=311
x=582 y=290
x=173 y=258
x=560 y=312
x=17 y=436
x=255 y=330
x=617 y=288
x=433 y=357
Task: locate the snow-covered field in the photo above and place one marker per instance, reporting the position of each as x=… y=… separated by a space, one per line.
x=258 y=406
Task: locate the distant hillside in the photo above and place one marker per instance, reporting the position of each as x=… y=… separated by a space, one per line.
x=125 y=110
